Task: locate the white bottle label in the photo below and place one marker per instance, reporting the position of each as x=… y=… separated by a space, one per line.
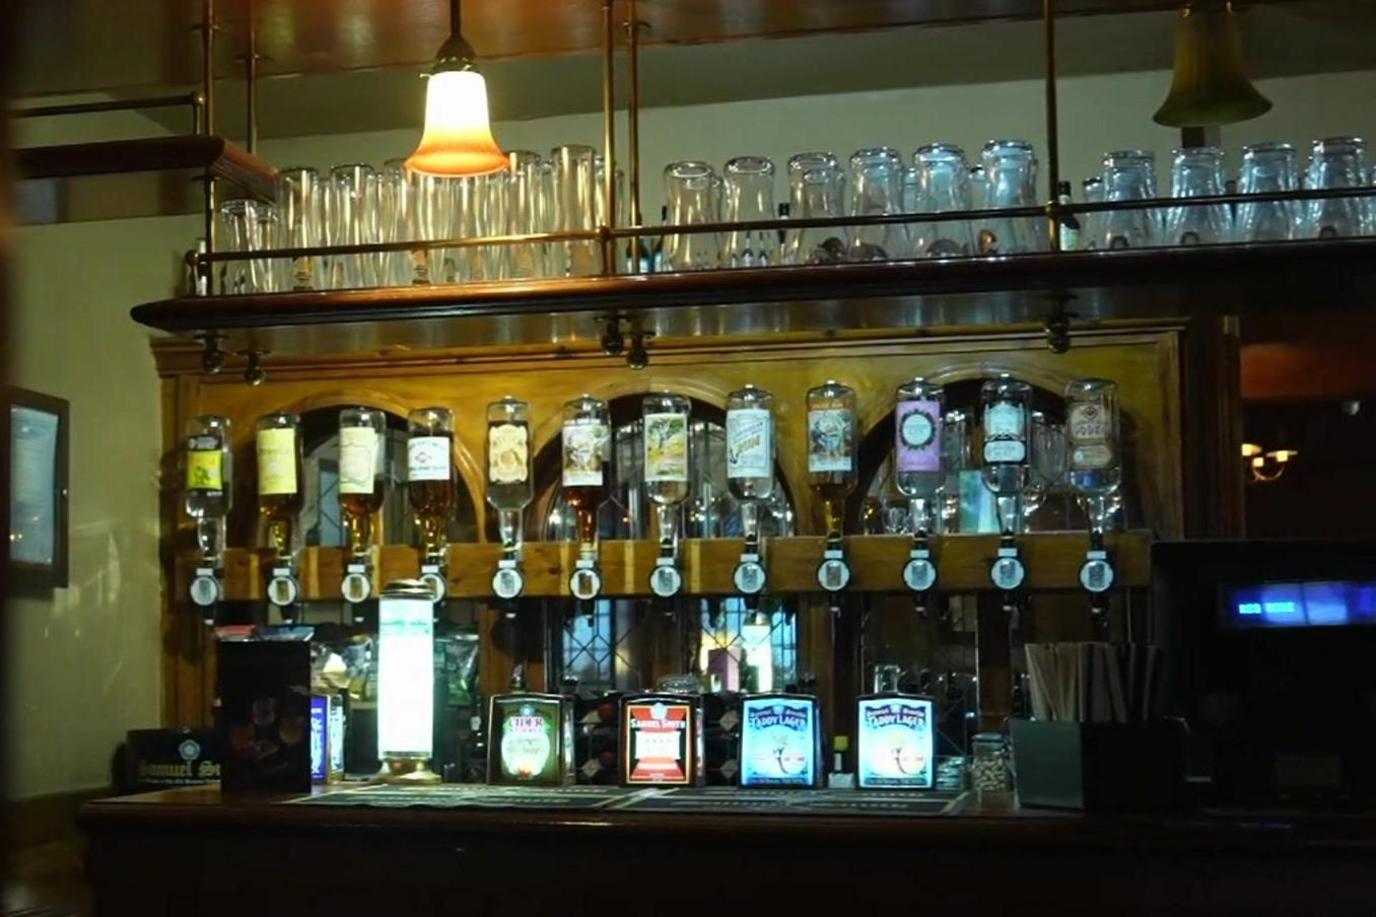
x=666 y=448
x=749 y=443
x=428 y=458
x=1004 y=433
x=830 y=434
x=276 y=461
x=507 y=453
x=1087 y=430
x=584 y=448
x=357 y=459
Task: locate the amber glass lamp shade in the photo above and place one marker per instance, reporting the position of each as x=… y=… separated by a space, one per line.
x=1210 y=85
x=458 y=137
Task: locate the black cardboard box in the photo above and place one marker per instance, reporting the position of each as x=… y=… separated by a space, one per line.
x=265 y=716
x=1100 y=767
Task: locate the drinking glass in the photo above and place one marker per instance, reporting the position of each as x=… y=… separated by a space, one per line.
x=301 y=212
x=1198 y=172
x=693 y=196
x=876 y=188
x=1268 y=168
x=748 y=190
x=246 y=226
x=979 y=187
x=470 y=222
x=1010 y=169
x=394 y=208
x=430 y=217
x=1129 y=175
x=942 y=187
x=527 y=212
x=910 y=189
x=815 y=186
x=574 y=178
x=353 y=217
x=1091 y=224
x=1336 y=162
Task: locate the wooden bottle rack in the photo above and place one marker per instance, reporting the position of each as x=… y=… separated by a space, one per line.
x=1053 y=562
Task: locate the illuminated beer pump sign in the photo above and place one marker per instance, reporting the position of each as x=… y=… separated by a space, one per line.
x=661 y=741
x=895 y=742
x=531 y=739
x=780 y=741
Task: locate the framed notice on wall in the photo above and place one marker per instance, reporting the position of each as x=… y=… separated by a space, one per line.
x=35 y=429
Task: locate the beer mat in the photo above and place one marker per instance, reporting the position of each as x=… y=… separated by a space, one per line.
x=470 y=796
x=695 y=800
x=840 y=802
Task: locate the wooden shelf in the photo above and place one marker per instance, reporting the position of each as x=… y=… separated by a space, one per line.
x=927 y=295
x=198 y=152
x=1053 y=561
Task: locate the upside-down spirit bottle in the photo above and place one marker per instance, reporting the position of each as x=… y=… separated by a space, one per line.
x=209 y=482
x=362 y=472
x=831 y=449
x=509 y=486
x=430 y=474
x=278 y=442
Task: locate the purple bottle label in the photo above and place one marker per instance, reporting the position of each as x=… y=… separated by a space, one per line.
x=917 y=439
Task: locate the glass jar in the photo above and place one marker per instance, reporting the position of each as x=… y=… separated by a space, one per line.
x=362 y=472
x=209 y=480
x=575 y=191
x=430 y=484
x=277 y=444
x=991 y=768
x=509 y=485
x=831 y=449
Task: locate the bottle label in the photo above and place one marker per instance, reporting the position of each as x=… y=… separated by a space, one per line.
x=830 y=435
x=508 y=453
x=584 y=447
x=205 y=469
x=918 y=440
x=749 y=443
x=276 y=461
x=1087 y=430
x=358 y=452
x=666 y=448
x=428 y=458
x=1004 y=442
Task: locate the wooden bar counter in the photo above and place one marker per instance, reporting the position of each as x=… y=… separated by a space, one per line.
x=190 y=851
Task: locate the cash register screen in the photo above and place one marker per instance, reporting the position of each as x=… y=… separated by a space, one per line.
x=1321 y=603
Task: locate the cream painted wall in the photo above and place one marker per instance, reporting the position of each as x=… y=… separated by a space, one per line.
x=1097 y=114
x=85 y=663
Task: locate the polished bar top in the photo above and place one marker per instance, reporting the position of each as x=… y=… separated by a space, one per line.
x=982 y=822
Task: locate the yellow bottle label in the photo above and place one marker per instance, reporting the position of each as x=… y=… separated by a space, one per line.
x=276 y=461
x=205 y=470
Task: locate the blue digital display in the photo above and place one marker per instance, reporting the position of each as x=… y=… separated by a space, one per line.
x=1325 y=603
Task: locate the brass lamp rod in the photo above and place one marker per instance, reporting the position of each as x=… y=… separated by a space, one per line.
x=1053 y=140
x=251 y=80
x=208 y=124
x=633 y=107
x=609 y=130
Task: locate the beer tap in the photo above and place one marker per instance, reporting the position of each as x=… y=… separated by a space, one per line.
x=586 y=447
x=750 y=477
x=278 y=449
x=509 y=487
x=1095 y=470
x=831 y=465
x=1005 y=404
x=209 y=493
x=666 y=458
x=362 y=490
x=918 y=476
x=432 y=490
